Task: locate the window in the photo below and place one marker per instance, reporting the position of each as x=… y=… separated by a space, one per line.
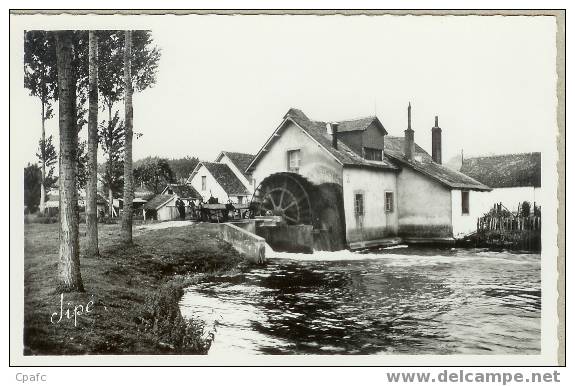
x=359 y=210
x=240 y=199
x=372 y=154
x=389 y=201
x=464 y=202
x=203 y=182
x=294 y=160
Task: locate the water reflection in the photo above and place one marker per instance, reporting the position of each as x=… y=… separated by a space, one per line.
x=412 y=301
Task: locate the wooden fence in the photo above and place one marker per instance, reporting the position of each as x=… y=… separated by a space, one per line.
x=502 y=228
x=506 y=223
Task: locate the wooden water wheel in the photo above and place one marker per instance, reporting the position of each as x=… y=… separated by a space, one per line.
x=286 y=195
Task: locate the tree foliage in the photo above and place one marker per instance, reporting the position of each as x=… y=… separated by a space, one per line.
x=47 y=154
x=111 y=136
x=82 y=164
x=145 y=61
x=183 y=167
x=40 y=72
x=154 y=173
x=32 y=181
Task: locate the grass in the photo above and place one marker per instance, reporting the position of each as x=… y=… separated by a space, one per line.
x=135 y=291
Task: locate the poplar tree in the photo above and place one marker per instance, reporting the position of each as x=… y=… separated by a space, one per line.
x=92 y=164
x=70 y=278
x=128 y=169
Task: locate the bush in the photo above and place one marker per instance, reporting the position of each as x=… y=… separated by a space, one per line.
x=40 y=219
x=525 y=208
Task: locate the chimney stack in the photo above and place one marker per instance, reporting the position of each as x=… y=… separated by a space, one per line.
x=436 y=142
x=332 y=130
x=408 y=142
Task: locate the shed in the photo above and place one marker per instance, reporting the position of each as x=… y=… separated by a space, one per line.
x=161 y=207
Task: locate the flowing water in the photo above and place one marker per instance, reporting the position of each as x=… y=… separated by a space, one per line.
x=394 y=301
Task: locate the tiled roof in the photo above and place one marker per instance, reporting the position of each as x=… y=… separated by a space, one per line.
x=359 y=124
x=505 y=171
x=158 y=201
x=226 y=178
x=395 y=145
x=184 y=191
x=241 y=160
x=318 y=131
x=423 y=163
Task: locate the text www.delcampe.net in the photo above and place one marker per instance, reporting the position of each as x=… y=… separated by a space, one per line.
x=461 y=376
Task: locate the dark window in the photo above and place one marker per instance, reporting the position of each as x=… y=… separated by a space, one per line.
x=240 y=199
x=203 y=182
x=372 y=154
x=464 y=202
x=389 y=201
x=293 y=160
x=359 y=211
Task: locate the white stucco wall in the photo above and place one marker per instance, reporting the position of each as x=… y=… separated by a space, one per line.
x=226 y=160
x=424 y=206
x=511 y=197
x=376 y=222
x=479 y=204
x=317 y=165
x=211 y=186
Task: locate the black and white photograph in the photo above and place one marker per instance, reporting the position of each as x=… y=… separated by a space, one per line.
x=287 y=188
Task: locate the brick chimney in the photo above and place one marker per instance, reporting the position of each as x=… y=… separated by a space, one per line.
x=408 y=141
x=436 y=142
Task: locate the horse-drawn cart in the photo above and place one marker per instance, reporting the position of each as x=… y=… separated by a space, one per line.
x=222 y=212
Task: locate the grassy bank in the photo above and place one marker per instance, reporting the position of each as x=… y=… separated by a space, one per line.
x=135 y=291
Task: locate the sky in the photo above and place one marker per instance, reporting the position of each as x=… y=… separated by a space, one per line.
x=225 y=82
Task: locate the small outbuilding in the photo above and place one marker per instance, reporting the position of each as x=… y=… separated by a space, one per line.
x=162 y=208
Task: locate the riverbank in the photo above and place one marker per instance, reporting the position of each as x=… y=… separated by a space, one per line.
x=134 y=291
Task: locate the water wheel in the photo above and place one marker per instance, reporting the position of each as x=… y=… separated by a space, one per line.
x=286 y=195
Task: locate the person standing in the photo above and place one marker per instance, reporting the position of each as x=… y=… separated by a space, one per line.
x=181 y=208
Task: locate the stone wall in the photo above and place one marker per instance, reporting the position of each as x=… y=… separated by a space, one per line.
x=251 y=246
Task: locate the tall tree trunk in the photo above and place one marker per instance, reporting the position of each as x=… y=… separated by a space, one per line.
x=92 y=184
x=110 y=167
x=70 y=278
x=43 y=181
x=128 y=175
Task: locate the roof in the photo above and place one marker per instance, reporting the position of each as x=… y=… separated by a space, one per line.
x=423 y=163
x=360 y=124
x=241 y=160
x=505 y=171
x=317 y=130
x=158 y=201
x=226 y=178
x=395 y=145
x=183 y=191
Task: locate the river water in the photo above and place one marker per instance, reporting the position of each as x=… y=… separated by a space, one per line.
x=395 y=301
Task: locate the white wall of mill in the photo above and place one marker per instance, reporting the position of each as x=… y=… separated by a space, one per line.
x=511 y=197
x=424 y=205
x=376 y=222
x=211 y=186
x=317 y=165
x=479 y=204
